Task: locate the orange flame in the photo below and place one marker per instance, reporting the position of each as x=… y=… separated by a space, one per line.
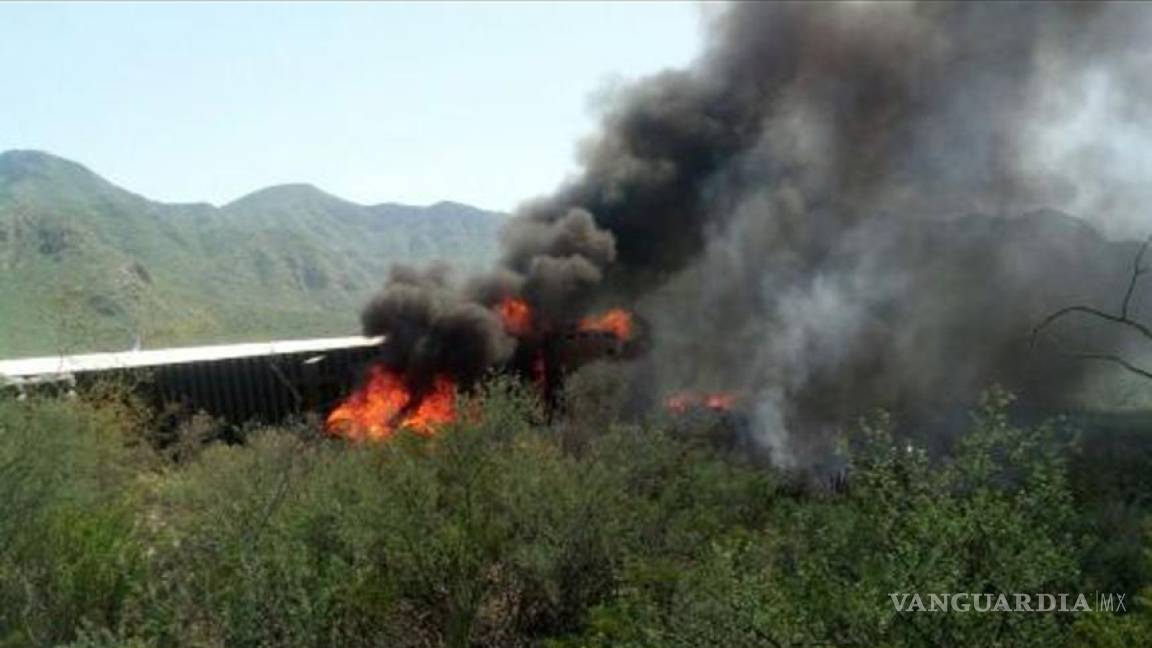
x=374 y=411
x=516 y=315
x=617 y=321
x=719 y=401
x=681 y=402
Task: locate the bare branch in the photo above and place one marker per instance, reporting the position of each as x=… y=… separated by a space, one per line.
x=1137 y=270
x=1088 y=310
x=1114 y=359
x=1102 y=357
x=1122 y=319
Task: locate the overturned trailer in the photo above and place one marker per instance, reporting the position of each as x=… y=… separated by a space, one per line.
x=266 y=381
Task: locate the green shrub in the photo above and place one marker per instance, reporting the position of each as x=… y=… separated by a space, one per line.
x=499 y=531
x=485 y=534
x=67 y=553
x=997 y=517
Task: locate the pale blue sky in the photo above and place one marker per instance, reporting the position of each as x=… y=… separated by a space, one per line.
x=476 y=102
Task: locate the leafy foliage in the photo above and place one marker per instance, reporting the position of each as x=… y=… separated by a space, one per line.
x=498 y=532
x=67 y=552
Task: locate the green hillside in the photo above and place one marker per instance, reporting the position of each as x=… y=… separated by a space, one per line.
x=86 y=265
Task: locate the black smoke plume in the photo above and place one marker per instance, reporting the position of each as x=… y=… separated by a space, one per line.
x=431 y=330
x=824 y=213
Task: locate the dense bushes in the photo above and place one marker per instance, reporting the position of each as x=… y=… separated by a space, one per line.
x=501 y=532
x=996 y=518
x=68 y=554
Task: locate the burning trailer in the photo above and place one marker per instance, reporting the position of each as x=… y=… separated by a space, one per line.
x=237 y=383
x=419 y=391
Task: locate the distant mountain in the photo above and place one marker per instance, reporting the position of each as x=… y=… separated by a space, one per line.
x=86 y=265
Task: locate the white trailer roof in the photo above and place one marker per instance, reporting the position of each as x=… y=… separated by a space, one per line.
x=20 y=369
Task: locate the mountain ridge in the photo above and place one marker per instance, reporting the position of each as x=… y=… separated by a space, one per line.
x=90 y=265
x=11 y=159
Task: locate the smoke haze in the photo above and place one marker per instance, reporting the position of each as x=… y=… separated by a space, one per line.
x=837 y=208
